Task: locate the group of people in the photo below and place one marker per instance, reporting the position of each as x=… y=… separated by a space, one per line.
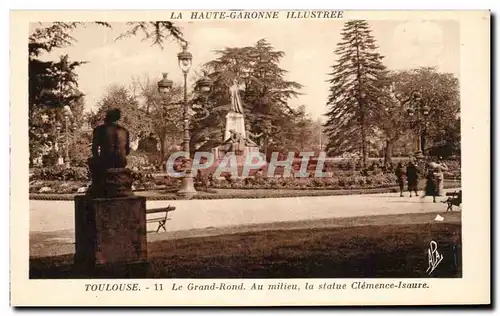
x=434 y=176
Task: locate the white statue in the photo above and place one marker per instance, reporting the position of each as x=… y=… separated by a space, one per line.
x=236 y=103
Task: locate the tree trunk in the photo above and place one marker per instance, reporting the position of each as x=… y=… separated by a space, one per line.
x=30 y=157
x=388 y=152
x=422 y=142
x=361 y=102
x=364 y=158
x=266 y=142
x=162 y=151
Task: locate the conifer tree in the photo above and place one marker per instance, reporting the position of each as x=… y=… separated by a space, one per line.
x=356 y=81
x=264 y=90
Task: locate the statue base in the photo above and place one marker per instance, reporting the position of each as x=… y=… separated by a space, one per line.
x=109 y=183
x=109 y=232
x=219 y=153
x=236 y=122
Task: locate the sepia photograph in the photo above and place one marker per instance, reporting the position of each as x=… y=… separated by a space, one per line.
x=212 y=148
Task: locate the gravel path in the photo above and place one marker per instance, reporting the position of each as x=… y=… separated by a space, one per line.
x=52 y=227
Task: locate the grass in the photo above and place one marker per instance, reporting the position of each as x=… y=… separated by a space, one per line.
x=369 y=251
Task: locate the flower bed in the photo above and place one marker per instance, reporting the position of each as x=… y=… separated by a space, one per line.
x=247 y=194
x=168 y=183
x=56 y=186
x=60 y=180
x=348 y=181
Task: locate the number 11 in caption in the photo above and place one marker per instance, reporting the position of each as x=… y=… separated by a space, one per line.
x=158 y=287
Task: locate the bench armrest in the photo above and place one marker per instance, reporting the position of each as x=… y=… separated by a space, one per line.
x=160 y=209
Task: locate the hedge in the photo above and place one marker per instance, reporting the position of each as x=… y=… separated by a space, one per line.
x=270 y=194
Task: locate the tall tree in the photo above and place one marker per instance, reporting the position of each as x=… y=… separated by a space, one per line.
x=304 y=132
x=264 y=90
x=268 y=95
x=53 y=84
x=440 y=93
x=392 y=122
x=164 y=112
x=356 y=81
x=133 y=117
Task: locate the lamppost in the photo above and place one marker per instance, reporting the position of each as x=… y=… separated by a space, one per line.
x=185 y=61
x=67 y=114
x=417 y=113
x=165 y=85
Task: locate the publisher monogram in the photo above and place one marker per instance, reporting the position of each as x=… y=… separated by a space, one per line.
x=434 y=257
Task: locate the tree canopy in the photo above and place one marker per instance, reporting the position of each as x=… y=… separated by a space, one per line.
x=357 y=79
x=440 y=93
x=54 y=84
x=264 y=90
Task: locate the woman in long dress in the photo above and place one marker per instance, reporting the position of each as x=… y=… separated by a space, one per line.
x=431 y=185
x=440 y=167
x=400 y=174
x=412 y=177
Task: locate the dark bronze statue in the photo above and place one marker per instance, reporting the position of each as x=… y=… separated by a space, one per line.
x=110 y=148
x=110 y=142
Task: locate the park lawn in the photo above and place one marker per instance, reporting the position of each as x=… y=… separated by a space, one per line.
x=369 y=251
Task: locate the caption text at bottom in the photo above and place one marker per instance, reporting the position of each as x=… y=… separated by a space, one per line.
x=256 y=286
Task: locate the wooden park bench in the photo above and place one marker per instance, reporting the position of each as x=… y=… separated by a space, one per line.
x=454 y=198
x=161 y=220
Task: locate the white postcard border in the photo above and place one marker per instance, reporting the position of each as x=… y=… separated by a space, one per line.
x=473 y=288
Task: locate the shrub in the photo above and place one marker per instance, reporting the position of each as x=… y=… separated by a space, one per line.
x=50 y=159
x=61 y=173
x=56 y=186
x=137 y=161
x=338 y=181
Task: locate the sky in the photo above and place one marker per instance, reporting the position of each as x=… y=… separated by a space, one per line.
x=308 y=46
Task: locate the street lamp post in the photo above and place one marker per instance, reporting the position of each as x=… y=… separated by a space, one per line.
x=185 y=61
x=187 y=187
x=418 y=111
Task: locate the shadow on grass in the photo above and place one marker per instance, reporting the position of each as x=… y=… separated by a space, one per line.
x=390 y=251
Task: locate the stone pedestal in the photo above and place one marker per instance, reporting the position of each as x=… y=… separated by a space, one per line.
x=110 y=231
x=219 y=154
x=109 y=182
x=235 y=121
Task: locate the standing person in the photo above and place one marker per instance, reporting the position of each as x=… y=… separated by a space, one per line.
x=199 y=177
x=431 y=185
x=440 y=167
x=400 y=174
x=412 y=177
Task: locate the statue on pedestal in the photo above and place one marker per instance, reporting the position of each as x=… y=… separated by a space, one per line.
x=236 y=138
x=236 y=103
x=110 y=148
x=110 y=222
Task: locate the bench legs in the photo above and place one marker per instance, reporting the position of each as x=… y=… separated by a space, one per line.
x=450 y=204
x=161 y=224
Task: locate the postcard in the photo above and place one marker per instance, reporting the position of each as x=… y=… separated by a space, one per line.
x=250 y=158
